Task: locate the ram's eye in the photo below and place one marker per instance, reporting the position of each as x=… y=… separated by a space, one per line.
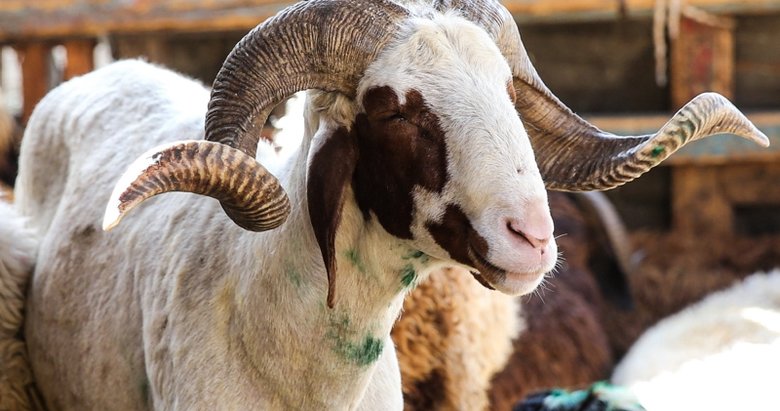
x=396 y=117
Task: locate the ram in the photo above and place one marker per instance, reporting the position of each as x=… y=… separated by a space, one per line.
x=414 y=158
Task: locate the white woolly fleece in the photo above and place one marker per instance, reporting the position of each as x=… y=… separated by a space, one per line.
x=18 y=247
x=722 y=353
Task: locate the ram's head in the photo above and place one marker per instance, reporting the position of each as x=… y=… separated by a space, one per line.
x=449 y=138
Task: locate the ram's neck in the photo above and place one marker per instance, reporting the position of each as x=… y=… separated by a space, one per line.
x=314 y=356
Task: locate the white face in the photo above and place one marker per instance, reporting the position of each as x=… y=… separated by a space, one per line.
x=438 y=121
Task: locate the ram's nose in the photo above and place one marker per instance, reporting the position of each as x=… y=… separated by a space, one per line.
x=534 y=225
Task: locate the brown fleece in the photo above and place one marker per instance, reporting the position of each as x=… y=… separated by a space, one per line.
x=453 y=335
x=563 y=345
x=676 y=272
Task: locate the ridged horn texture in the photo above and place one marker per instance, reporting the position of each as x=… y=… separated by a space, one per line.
x=319 y=44
x=237 y=180
x=574 y=155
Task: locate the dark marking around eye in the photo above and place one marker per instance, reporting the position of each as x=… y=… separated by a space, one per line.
x=396 y=156
x=397 y=117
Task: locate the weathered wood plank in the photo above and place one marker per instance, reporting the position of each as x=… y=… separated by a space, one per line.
x=705 y=198
x=80 y=57
x=699 y=206
x=571 y=10
x=35 y=74
x=27 y=19
x=702 y=59
x=751 y=184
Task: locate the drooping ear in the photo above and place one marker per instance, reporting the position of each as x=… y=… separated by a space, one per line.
x=330 y=172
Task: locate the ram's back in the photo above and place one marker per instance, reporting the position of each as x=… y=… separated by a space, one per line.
x=95 y=296
x=84 y=133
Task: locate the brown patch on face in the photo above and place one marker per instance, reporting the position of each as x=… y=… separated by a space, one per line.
x=456 y=235
x=401 y=146
x=464 y=244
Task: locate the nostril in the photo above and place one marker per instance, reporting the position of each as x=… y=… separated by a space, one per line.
x=530 y=239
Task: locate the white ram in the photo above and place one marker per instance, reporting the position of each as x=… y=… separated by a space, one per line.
x=414 y=158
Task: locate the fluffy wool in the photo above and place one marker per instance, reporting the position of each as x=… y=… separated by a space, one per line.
x=18 y=245
x=722 y=353
x=452 y=337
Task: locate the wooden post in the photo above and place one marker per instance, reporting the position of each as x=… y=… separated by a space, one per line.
x=35 y=58
x=80 y=57
x=699 y=207
x=702 y=59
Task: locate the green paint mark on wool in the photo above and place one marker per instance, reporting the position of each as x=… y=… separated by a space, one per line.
x=293 y=275
x=657 y=151
x=417 y=255
x=364 y=353
x=354 y=258
x=408 y=275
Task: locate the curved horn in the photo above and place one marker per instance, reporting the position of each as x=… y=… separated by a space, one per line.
x=324 y=44
x=318 y=44
x=574 y=155
x=238 y=181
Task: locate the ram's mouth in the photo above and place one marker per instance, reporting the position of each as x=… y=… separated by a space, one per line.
x=494 y=277
x=487 y=274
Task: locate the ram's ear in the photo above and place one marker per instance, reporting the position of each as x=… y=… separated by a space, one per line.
x=330 y=173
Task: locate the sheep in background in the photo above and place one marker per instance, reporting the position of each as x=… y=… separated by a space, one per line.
x=182 y=309
x=18 y=245
x=564 y=343
x=697 y=267
x=447 y=364
x=452 y=337
x=722 y=353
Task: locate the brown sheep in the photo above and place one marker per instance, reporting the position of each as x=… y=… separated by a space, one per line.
x=453 y=335
x=696 y=266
